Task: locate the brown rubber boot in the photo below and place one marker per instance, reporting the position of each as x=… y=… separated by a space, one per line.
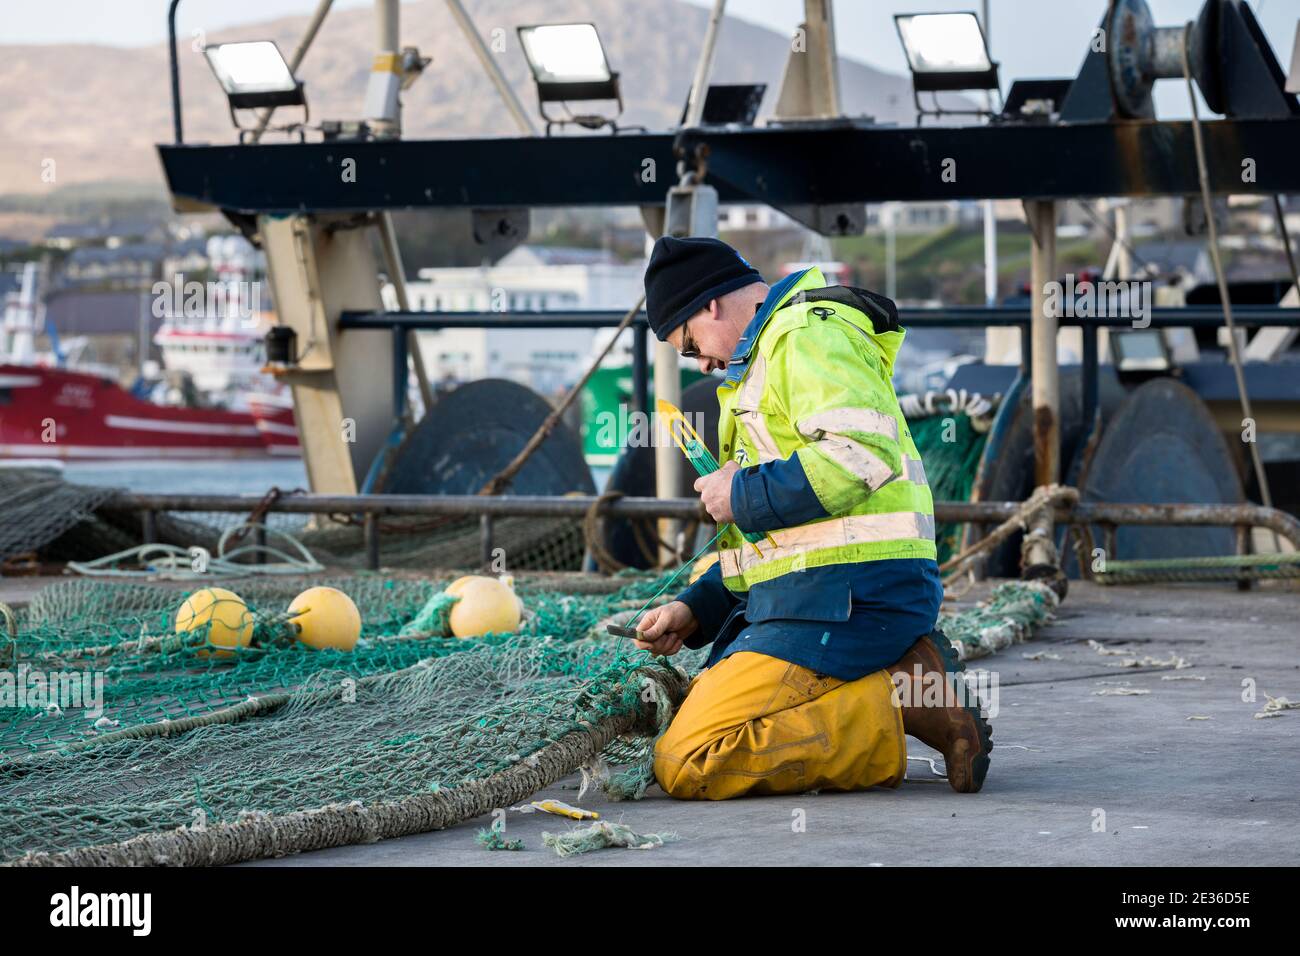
x=956 y=727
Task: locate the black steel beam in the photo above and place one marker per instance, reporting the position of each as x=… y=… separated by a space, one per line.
x=1062 y=161
x=976 y=316
x=177 y=132
x=578 y=319
x=824 y=163
x=406 y=174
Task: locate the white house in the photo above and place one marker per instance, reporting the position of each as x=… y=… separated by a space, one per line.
x=528 y=279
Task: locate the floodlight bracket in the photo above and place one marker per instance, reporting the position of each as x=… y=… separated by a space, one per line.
x=260 y=100
x=253 y=101
x=938 y=110
x=729 y=104
x=553 y=92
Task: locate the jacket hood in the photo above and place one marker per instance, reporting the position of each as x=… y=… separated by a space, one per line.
x=809 y=285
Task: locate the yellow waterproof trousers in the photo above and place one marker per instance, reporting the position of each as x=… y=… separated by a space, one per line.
x=754 y=724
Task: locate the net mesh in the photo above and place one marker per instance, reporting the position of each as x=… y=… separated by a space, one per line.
x=534 y=544
x=45 y=517
x=37 y=506
x=951 y=447
x=186 y=739
x=394 y=717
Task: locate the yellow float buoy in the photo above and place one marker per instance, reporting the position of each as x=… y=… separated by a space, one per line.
x=326 y=618
x=229 y=622
x=456 y=586
x=485 y=604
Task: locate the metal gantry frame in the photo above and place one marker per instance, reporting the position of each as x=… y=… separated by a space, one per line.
x=812 y=159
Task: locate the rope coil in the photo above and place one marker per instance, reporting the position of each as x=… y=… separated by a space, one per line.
x=171 y=562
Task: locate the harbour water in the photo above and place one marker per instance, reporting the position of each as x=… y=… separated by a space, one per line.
x=254 y=477
x=192 y=477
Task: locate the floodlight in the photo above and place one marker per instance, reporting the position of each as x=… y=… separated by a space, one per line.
x=729 y=104
x=569 y=65
x=945 y=52
x=943 y=42
x=1034 y=100
x=565 y=53
x=1141 y=351
x=254 y=75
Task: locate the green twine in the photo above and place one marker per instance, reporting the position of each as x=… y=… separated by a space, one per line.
x=198 y=798
x=632 y=783
x=1013 y=612
x=673 y=577
x=492 y=838
x=601 y=835
x=1208 y=568
x=283 y=728
x=434 y=617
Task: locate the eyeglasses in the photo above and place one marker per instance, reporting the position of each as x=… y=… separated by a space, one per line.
x=689 y=348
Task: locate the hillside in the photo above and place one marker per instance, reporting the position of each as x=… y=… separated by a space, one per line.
x=99 y=120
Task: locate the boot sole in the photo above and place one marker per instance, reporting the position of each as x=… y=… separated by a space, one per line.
x=979 y=764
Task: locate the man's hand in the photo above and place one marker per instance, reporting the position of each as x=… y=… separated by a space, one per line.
x=665 y=628
x=715 y=492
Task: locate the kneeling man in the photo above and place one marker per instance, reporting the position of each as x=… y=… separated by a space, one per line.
x=814 y=623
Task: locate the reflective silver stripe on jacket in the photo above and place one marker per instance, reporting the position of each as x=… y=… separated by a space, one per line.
x=836 y=533
x=846 y=419
x=844 y=450
x=856 y=460
x=914 y=471
x=748 y=414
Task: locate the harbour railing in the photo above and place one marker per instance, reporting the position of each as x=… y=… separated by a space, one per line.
x=1108 y=516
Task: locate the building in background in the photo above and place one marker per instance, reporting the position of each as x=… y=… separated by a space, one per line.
x=739 y=218
x=110 y=330
x=107 y=232
x=528 y=279
x=135 y=265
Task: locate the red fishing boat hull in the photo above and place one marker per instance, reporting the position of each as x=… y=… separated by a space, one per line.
x=274 y=419
x=71 y=416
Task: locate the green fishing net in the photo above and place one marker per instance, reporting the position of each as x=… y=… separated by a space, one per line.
x=395 y=716
x=187 y=739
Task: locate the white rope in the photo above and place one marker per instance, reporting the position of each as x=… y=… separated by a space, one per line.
x=933 y=768
x=951 y=401
x=173 y=563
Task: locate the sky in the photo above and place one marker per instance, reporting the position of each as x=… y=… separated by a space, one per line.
x=1030 y=38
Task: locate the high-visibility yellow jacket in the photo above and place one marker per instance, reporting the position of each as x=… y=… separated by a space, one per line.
x=831 y=473
x=829 y=467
